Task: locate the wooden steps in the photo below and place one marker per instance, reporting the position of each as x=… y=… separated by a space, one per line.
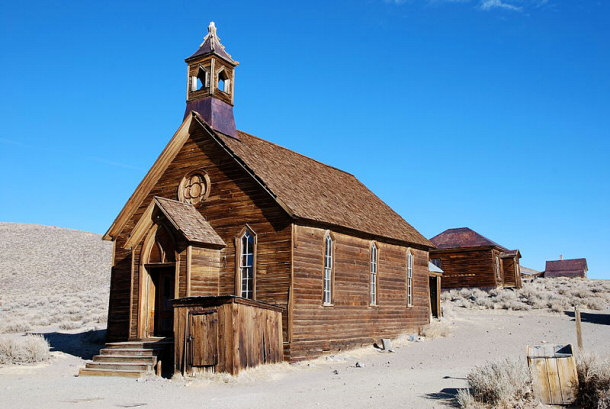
x=128 y=359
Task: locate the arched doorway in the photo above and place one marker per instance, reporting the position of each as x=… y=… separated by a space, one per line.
x=158 y=273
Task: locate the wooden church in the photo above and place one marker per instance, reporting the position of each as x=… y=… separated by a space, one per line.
x=234 y=251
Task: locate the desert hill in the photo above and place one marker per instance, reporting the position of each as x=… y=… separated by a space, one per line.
x=52 y=276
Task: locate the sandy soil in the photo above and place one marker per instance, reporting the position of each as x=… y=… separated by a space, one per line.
x=418 y=375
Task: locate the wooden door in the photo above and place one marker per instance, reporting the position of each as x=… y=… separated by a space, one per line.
x=435 y=301
x=164 y=292
x=203 y=335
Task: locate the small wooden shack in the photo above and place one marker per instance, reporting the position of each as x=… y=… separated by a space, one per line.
x=576 y=267
x=469 y=259
x=225 y=213
x=225 y=334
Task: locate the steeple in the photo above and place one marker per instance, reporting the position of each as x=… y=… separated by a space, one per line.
x=210 y=84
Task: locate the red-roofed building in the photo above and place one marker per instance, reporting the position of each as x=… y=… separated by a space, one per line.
x=469 y=259
x=576 y=267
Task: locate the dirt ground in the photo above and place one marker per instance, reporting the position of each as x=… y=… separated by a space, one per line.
x=417 y=375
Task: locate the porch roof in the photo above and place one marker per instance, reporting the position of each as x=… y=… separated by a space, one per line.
x=188 y=221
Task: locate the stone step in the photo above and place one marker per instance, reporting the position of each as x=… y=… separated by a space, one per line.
x=128 y=366
x=150 y=360
x=128 y=351
x=110 y=372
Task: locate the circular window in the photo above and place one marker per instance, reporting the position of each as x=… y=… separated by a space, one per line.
x=194 y=188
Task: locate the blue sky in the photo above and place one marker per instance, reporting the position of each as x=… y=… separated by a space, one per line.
x=491 y=114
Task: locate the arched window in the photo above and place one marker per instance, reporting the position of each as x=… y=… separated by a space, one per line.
x=246 y=264
x=328 y=269
x=373 y=274
x=162 y=250
x=409 y=279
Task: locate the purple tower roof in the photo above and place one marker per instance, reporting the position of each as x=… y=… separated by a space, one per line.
x=211 y=45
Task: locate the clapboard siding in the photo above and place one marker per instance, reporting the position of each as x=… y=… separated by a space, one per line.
x=508 y=267
x=205 y=271
x=135 y=291
x=119 y=300
x=351 y=320
x=466 y=268
x=235 y=200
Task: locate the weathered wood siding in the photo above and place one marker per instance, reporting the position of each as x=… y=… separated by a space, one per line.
x=235 y=200
x=512 y=276
x=508 y=265
x=351 y=320
x=244 y=335
x=206 y=267
x=119 y=302
x=466 y=267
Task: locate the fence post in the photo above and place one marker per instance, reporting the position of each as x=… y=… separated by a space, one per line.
x=578 y=328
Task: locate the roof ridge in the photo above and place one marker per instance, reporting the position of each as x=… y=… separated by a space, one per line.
x=468 y=229
x=297 y=153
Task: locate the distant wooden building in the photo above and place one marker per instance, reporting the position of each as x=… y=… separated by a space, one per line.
x=224 y=213
x=576 y=267
x=469 y=259
x=529 y=274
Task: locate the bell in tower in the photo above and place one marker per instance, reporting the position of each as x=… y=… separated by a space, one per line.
x=211 y=84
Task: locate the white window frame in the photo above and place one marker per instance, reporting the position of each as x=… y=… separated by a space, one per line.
x=409 y=279
x=373 y=278
x=328 y=271
x=247 y=264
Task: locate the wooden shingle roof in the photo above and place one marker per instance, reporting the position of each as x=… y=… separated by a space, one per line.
x=462 y=237
x=314 y=191
x=567 y=265
x=189 y=222
x=305 y=188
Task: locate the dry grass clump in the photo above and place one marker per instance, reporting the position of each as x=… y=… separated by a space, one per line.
x=436 y=329
x=23 y=350
x=503 y=384
x=554 y=294
x=593 y=381
x=14 y=326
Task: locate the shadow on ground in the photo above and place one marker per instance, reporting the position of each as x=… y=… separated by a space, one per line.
x=593 y=318
x=446 y=396
x=83 y=344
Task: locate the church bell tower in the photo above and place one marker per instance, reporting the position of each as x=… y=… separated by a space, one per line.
x=211 y=84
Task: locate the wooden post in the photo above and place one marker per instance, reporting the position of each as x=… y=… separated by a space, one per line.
x=158 y=368
x=578 y=329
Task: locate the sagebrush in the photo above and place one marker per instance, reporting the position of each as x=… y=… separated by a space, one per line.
x=593 y=381
x=23 y=350
x=500 y=384
x=554 y=294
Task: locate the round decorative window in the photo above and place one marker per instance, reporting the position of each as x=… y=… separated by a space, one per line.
x=194 y=188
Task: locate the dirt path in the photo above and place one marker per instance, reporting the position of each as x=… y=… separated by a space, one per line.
x=418 y=375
